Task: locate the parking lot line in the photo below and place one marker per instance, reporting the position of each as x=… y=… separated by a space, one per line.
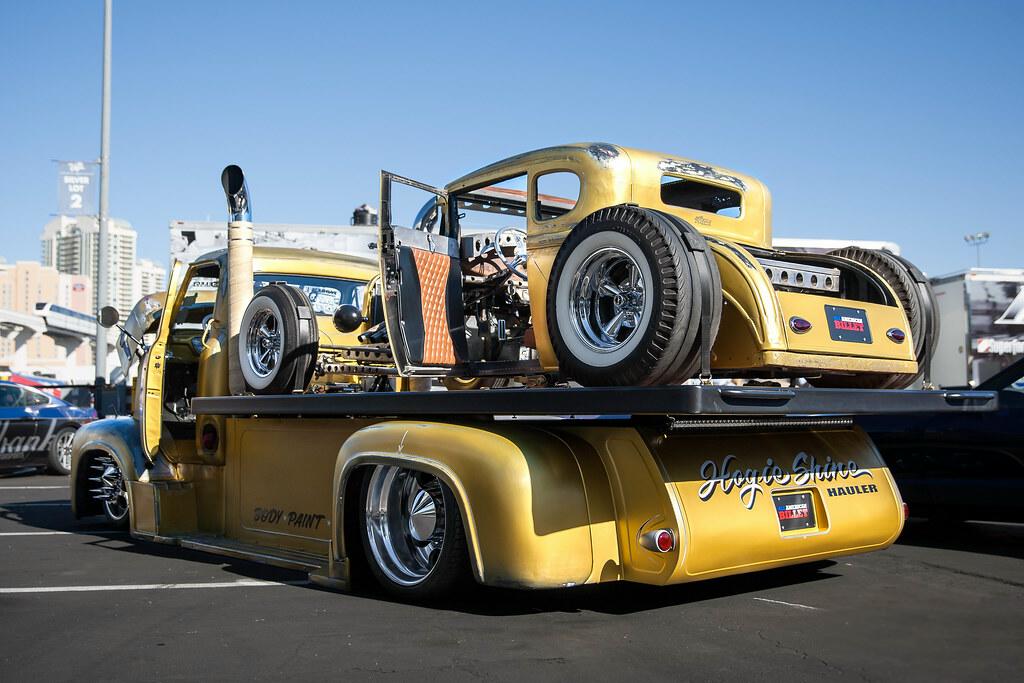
x=63 y=533
x=22 y=488
x=46 y=503
x=787 y=604
x=242 y=583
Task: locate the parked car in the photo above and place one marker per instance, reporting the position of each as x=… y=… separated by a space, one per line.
x=37 y=429
x=615 y=266
x=963 y=466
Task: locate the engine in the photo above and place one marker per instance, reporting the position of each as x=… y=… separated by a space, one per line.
x=496 y=296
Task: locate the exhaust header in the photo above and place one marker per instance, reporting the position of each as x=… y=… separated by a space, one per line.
x=237 y=193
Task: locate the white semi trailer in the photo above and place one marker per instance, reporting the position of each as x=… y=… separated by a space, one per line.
x=981 y=311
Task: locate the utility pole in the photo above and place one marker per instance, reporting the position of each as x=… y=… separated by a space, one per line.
x=977 y=239
x=102 y=261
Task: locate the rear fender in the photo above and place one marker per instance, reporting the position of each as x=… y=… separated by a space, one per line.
x=520 y=492
x=117 y=437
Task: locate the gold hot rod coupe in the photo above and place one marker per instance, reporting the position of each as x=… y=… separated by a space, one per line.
x=256 y=434
x=613 y=266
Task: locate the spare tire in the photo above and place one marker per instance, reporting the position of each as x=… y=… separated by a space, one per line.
x=918 y=302
x=624 y=302
x=278 y=341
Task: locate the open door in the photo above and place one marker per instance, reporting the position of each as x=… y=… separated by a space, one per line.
x=421 y=277
x=151 y=419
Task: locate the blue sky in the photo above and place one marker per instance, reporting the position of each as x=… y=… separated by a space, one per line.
x=887 y=120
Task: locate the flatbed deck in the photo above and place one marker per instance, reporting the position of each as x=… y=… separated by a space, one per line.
x=686 y=401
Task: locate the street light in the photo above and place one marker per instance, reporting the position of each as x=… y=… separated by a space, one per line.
x=977 y=239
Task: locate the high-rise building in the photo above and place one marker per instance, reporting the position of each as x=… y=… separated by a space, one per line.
x=150 y=277
x=25 y=285
x=71 y=245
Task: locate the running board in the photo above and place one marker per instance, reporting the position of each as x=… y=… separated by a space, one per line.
x=287 y=559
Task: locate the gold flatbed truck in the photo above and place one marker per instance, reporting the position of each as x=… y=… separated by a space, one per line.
x=527 y=488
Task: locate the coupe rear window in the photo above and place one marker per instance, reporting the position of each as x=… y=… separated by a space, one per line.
x=693 y=194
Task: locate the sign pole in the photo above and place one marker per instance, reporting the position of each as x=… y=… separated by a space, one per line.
x=103 y=257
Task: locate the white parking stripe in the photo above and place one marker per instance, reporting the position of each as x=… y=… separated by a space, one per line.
x=243 y=583
x=62 y=504
x=787 y=604
x=35 y=533
x=24 y=488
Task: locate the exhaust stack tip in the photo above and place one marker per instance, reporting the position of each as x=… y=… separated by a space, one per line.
x=237 y=193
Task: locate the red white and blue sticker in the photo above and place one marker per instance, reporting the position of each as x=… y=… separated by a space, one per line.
x=848 y=324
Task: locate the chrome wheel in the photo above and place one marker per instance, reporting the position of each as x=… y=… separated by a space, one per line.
x=405 y=523
x=110 y=489
x=263 y=347
x=607 y=297
x=63 y=446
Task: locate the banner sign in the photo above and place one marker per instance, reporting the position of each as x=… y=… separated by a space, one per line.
x=76 y=181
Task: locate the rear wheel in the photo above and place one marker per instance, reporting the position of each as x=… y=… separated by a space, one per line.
x=278 y=341
x=626 y=296
x=918 y=302
x=412 y=533
x=59 y=460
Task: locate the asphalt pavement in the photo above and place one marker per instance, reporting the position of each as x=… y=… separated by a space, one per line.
x=79 y=602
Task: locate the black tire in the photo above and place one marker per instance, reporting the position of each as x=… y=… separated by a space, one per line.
x=918 y=302
x=278 y=341
x=104 y=480
x=662 y=346
x=59 y=458
x=450 y=566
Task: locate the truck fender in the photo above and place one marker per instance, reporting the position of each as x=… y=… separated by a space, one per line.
x=117 y=437
x=520 y=491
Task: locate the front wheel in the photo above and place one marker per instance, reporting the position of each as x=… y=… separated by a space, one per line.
x=412 y=533
x=109 y=489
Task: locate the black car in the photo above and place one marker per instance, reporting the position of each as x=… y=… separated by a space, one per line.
x=36 y=429
x=960 y=466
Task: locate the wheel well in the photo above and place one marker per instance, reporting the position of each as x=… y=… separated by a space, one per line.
x=358 y=570
x=85 y=504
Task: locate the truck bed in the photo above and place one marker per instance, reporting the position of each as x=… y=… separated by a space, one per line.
x=687 y=401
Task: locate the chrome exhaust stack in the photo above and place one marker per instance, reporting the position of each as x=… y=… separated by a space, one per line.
x=240 y=274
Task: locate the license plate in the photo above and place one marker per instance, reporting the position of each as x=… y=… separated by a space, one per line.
x=795 y=511
x=848 y=324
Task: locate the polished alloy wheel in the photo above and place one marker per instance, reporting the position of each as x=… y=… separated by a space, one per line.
x=405 y=523
x=607 y=299
x=110 y=489
x=64 y=441
x=264 y=343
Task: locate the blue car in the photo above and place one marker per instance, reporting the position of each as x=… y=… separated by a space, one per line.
x=36 y=429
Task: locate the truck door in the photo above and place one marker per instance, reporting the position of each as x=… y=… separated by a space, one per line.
x=422 y=277
x=151 y=403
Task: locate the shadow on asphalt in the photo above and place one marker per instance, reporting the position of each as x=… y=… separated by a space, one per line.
x=972 y=537
x=610 y=598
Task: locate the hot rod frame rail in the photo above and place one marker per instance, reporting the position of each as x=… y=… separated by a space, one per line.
x=686 y=401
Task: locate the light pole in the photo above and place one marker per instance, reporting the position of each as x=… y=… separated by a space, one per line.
x=102 y=257
x=977 y=239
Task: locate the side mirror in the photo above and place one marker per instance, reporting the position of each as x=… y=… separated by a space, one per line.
x=348 y=318
x=109 y=316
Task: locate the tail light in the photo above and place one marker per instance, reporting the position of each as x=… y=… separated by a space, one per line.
x=906 y=512
x=659 y=540
x=799 y=325
x=896 y=334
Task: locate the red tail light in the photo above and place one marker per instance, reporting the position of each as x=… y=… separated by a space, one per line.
x=799 y=325
x=906 y=512
x=659 y=540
